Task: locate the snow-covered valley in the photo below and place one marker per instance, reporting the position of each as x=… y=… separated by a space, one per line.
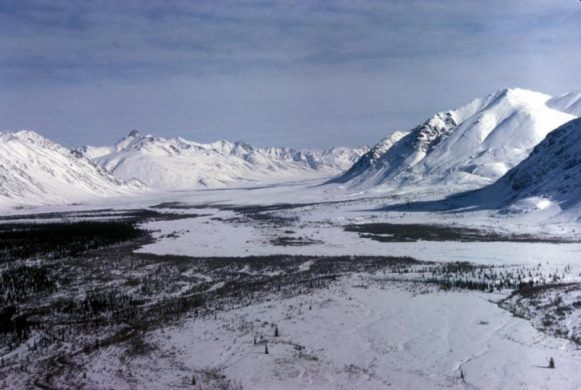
x=164 y=263
x=198 y=295
x=326 y=195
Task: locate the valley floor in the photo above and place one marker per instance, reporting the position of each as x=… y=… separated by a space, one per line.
x=358 y=333
x=360 y=298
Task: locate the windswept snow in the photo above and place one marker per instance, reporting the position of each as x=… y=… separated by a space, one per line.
x=178 y=164
x=35 y=170
x=471 y=146
x=568 y=102
x=551 y=175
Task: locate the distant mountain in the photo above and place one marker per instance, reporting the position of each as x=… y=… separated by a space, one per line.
x=471 y=146
x=35 y=170
x=550 y=175
x=177 y=164
x=569 y=102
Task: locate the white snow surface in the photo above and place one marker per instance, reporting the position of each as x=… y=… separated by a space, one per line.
x=472 y=145
x=361 y=332
x=357 y=335
x=37 y=171
x=217 y=232
x=569 y=102
x=548 y=180
x=179 y=164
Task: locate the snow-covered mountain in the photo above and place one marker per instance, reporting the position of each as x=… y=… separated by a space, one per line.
x=369 y=159
x=471 y=146
x=550 y=175
x=176 y=163
x=569 y=102
x=35 y=170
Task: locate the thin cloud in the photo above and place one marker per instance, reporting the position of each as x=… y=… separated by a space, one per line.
x=299 y=72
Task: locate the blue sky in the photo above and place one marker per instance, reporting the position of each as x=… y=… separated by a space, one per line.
x=297 y=73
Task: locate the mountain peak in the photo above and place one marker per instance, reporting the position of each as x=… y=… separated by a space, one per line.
x=20 y=134
x=134 y=134
x=518 y=96
x=471 y=145
x=25 y=136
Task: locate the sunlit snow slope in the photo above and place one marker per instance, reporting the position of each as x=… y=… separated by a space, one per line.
x=35 y=170
x=551 y=175
x=569 y=102
x=470 y=146
x=176 y=163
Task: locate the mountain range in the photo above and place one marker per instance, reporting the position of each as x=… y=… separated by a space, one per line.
x=507 y=138
x=36 y=171
x=179 y=164
x=471 y=146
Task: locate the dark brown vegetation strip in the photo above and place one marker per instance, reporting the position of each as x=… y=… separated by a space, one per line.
x=388 y=232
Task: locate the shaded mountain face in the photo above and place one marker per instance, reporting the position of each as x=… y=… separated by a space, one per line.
x=569 y=102
x=35 y=170
x=552 y=173
x=176 y=163
x=471 y=146
x=548 y=179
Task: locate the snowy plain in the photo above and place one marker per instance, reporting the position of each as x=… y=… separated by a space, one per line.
x=359 y=331
x=354 y=336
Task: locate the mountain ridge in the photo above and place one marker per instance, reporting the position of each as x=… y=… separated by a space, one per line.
x=155 y=161
x=36 y=170
x=472 y=145
x=550 y=174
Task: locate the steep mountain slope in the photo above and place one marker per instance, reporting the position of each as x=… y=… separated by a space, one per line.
x=471 y=146
x=369 y=159
x=35 y=170
x=176 y=163
x=569 y=102
x=551 y=174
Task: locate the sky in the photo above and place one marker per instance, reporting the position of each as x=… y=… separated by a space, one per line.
x=295 y=73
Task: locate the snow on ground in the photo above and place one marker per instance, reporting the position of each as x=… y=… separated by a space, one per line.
x=321 y=225
x=563 y=301
x=357 y=334
x=208 y=236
